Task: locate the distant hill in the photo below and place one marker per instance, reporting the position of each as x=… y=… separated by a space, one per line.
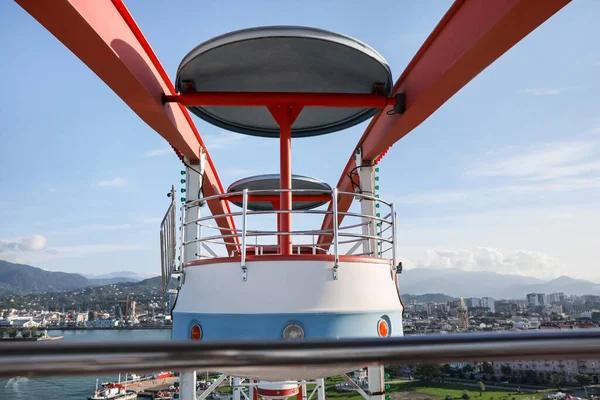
x=21 y=279
x=131 y=276
x=457 y=283
x=426 y=298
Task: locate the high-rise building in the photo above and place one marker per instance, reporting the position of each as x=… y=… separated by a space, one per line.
x=489 y=303
x=463 y=315
x=556 y=298
x=473 y=302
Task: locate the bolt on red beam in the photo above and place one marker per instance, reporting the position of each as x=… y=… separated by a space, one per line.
x=346 y=100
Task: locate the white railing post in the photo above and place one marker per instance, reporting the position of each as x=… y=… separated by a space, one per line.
x=336 y=260
x=394 y=235
x=244 y=220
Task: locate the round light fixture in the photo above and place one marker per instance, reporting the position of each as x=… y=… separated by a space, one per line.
x=383 y=329
x=196 y=332
x=293 y=332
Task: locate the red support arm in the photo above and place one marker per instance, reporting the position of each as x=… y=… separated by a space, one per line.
x=103 y=35
x=470 y=37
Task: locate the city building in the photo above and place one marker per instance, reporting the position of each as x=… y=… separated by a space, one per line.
x=463 y=315
x=102 y=323
x=488 y=302
x=473 y=302
x=542 y=368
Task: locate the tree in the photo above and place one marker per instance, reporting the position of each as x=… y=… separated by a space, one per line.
x=427 y=372
x=12 y=333
x=481 y=388
x=506 y=371
x=487 y=368
x=449 y=397
x=446 y=369
x=468 y=368
x=557 y=380
x=3 y=332
x=34 y=331
x=26 y=333
x=583 y=379
x=465 y=395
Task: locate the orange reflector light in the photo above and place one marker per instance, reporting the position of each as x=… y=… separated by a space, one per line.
x=196 y=332
x=382 y=328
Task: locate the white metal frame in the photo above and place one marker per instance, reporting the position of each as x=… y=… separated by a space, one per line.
x=385 y=239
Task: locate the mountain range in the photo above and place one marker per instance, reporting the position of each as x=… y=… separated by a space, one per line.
x=457 y=283
x=423 y=284
x=21 y=279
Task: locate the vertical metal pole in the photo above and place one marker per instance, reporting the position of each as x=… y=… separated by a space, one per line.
x=321 y=389
x=304 y=394
x=244 y=220
x=394 y=234
x=376 y=382
x=336 y=260
x=285 y=180
x=236 y=389
x=183 y=226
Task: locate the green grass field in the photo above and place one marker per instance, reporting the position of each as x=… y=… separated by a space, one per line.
x=439 y=391
x=435 y=390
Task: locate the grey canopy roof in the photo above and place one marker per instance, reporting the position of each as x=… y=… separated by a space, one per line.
x=283 y=59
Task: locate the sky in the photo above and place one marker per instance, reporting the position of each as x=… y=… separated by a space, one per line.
x=504 y=177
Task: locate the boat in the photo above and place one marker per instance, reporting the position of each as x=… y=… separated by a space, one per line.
x=162 y=375
x=112 y=391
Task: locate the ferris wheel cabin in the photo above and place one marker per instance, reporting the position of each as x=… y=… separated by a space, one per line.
x=282 y=263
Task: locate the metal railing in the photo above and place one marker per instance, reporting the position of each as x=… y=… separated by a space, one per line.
x=86 y=358
x=168 y=242
x=377 y=236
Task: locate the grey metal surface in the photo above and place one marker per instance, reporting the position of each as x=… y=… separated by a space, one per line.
x=81 y=358
x=168 y=242
x=271 y=181
x=284 y=59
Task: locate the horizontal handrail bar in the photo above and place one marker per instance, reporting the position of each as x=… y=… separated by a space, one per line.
x=89 y=358
x=226 y=196
x=215 y=99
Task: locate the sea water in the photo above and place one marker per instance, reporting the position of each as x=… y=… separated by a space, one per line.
x=79 y=387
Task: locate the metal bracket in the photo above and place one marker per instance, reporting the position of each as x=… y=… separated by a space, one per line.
x=400 y=107
x=335 y=272
x=244 y=274
x=399 y=268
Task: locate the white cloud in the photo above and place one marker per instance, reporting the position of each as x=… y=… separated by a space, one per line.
x=115 y=182
x=27 y=244
x=91 y=228
x=221 y=140
x=544 y=161
x=518 y=262
x=160 y=152
x=88 y=250
x=542 y=91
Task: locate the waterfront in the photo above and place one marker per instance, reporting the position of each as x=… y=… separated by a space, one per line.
x=72 y=388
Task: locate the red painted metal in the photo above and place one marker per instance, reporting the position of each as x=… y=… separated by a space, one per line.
x=300 y=392
x=285 y=171
x=470 y=37
x=277 y=392
x=350 y=100
x=276 y=198
x=104 y=36
x=291 y=257
x=285 y=115
x=255 y=390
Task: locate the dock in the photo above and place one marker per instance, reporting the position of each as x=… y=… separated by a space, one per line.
x=149 y=387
